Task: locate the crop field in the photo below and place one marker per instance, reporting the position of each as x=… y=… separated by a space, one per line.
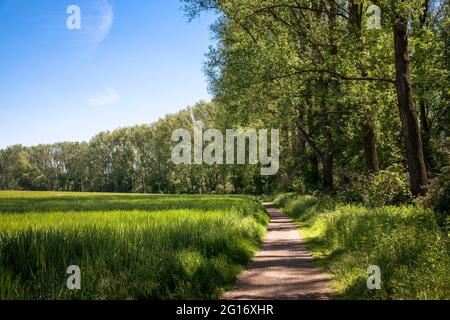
x=127 y=246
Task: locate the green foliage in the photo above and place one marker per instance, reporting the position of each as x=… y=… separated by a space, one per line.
x=405 y=242
x=283 y=199
x=385 y=187
x=312 y=70
x=127 y=246
x=316 y=72
x=438 y=197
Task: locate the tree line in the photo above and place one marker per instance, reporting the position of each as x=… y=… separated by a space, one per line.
x=135 y=159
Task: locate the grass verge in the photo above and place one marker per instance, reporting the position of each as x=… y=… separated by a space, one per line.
x=405 y=242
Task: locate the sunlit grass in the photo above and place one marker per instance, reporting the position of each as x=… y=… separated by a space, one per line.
x=127 y=246
x=412 y=252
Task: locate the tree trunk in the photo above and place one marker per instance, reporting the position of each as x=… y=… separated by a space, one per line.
x=329 y=148
x=367 y=128
x=426 y=134
x=299 y=149
x=303 y=163
x=410 y=125
x=314 y=162
x=424 y=120
x=328 y=181
x=370 y=150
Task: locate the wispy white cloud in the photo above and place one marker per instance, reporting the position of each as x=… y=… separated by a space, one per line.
x=105 y=98
x=97 y=20
x=100 y=32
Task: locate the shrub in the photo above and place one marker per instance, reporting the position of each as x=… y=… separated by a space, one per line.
x=350 y=187
x=438 y=197
x=383 y=188
x=388 y=187
x=305 y=207
x=283 y=199
x=298 y=185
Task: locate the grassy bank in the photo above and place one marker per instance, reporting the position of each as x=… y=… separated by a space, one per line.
x=405 y=242
x=127 y=246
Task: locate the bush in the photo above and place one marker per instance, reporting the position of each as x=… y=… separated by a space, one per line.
x=298 y=185
x=383 y=188
x=438 y=197
x=283 y=199
x=388 y=187
x=305 y=207
x=350 y=187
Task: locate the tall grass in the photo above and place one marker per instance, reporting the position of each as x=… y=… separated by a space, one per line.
x=127 y=246
x=405 y=242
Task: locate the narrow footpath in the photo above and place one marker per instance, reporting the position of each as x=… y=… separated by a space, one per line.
x=283 y=269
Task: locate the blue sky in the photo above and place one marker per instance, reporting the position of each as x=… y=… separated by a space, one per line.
x=132 y=62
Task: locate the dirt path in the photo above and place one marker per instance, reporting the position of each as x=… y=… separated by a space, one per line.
x=283 y=269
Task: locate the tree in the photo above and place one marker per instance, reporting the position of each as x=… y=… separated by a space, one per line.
x=307 y=22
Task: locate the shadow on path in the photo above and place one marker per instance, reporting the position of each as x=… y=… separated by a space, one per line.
x=283 y=269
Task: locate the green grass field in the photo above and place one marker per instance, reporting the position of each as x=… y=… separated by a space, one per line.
x=407 y=244
x=127 y=246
